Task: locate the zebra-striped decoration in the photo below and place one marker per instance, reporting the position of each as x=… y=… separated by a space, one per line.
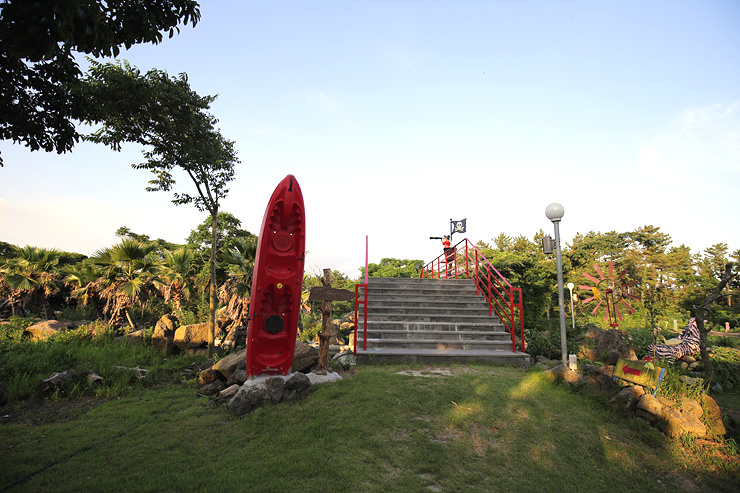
x=689 y=344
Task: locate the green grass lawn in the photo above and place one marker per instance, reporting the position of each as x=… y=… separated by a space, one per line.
x=479 y=428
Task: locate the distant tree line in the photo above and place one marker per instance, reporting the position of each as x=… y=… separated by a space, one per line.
x=137 y=280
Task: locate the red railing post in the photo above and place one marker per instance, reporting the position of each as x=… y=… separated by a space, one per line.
x=521 y=317
x=477 y=284
x=511 y=320
x=467 y=262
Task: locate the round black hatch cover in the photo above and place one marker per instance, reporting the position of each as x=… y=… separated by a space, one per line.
x=274 y=324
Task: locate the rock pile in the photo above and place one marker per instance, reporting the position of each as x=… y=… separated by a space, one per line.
x=226 y=380
x=605 y=345
x=262 y=390
x=702 y=418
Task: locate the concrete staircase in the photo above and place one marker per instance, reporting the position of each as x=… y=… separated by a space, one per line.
x=432 y=321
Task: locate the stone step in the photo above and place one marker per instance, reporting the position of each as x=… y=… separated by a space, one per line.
x=488 y=326
x=439 y=344
x=431 y=318
x=424 y=335
x=413 y=300
x=437 y=357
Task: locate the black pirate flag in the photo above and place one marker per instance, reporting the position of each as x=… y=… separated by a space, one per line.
x=458 y=226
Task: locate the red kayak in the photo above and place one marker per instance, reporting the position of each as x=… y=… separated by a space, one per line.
x=277 y=283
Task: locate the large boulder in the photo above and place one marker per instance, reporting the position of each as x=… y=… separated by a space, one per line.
x=605 y=345
x=236 y=335
x=192 y=338
x=649 y=408
x=164 y=334
x=564 y=374
x=626 y=400
x=248 y=397
x=41 y=331
x=602 y=384
x=210 y=375
x=678 y=423
x=136 y=337
x=713 y=417
x=305 y=357
x=229 y=363
x=238 y=377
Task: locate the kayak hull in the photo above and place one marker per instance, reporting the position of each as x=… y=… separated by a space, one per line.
x=277 y=283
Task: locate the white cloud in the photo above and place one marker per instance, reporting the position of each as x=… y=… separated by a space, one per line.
x=322 y=101
x=699 y=151
x=403 y=60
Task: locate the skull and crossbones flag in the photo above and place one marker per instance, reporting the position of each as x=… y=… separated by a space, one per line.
x=459 y=226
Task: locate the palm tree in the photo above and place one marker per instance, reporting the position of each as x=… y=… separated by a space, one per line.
x=31 y=277
x=86 y=285
x=235 y=292
x=176 y=277
x=127 y=271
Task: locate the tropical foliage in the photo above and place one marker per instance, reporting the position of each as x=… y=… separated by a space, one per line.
x=139 y=280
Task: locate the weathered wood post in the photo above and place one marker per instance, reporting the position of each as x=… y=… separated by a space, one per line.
x=326 y=295
x=325 y=334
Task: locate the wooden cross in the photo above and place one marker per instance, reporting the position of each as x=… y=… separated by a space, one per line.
x=326 y=295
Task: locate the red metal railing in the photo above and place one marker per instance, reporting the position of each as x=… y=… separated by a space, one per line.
x=359 y=302
x=466 y=261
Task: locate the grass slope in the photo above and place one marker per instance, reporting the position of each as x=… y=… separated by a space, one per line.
x=478 y=428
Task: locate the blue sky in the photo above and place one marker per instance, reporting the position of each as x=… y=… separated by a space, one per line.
x=396 y=117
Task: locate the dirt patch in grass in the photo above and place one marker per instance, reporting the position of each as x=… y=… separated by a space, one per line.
x=38 y=412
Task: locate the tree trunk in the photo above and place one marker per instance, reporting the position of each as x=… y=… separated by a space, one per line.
x=128 y=317
x=212 y=304
x=705 y=358
x=702 y=312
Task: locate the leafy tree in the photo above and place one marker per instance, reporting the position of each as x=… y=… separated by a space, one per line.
x=171 y=120
x=229 y=233
x=393 y=267
x=595 y=247
x=31 y=277
x=38 y=70
x=125 y=232
x=704 y=308
x=522 y=263
x=646 y=258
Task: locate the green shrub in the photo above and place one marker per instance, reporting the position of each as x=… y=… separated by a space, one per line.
x=673 y=388
x=24 y=363
x=726 y=364
x=12 y=331
x=640 y=339
x=544 y=344
x=75 y=314
x=310 y=328
x=724 y=341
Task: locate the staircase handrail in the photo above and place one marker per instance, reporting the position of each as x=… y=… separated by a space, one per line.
x=502 y=297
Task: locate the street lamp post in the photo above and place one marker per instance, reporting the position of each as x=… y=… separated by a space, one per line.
x=572 y=313
x=554 y=213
